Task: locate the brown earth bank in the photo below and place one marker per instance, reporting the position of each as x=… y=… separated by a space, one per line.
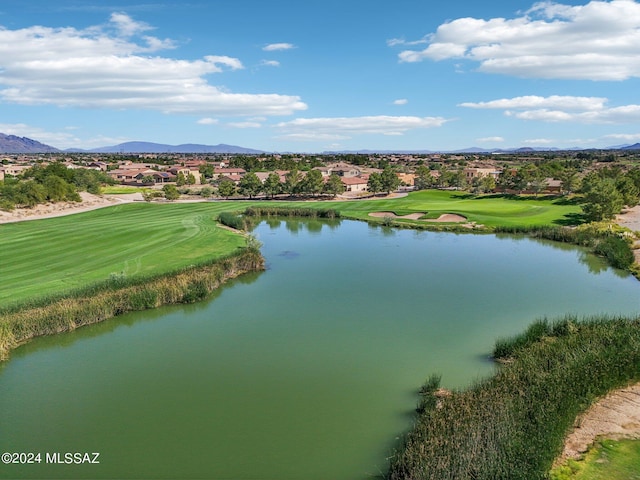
x=49 y=210
x=630 y=218
x=615 y=416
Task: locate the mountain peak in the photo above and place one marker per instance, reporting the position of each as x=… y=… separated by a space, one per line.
x=15 y=144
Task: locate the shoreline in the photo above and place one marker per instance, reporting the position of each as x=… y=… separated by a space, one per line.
x=615 y=416
x=100 y=302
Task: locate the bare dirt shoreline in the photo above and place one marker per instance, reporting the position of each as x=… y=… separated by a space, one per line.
x=615 y=416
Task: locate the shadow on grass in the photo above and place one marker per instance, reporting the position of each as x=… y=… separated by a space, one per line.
x=571 y=219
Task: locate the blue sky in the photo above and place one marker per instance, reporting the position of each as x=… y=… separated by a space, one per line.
x=316 y=75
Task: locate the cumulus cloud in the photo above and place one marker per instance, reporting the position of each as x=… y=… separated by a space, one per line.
x=270 y=63
x=401 y=101
x=337 y=128
x=273 y=47
x=558 y=108
x=596 y=41
x=103 y=67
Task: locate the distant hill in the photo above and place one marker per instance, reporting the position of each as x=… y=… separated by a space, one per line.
x=635 y=146
x=14 y=144
x=149 y=147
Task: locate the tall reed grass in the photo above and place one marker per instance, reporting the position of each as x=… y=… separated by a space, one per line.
x=292 y=212
x=512 y=425
x=55 y=314
x=613 y=242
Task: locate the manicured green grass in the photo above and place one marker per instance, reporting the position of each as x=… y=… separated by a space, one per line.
x=608 y=460
x=50 y=256
x=491 y=211
x=488 y=210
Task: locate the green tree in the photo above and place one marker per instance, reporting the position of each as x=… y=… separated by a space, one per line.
x=374 y=184
x=602 y=200
x=424 y=179
x=171 y=192
x=206 y=170
x=389 y=179
x=312 y=183
x=191 y=179
x=58 y=190
x=291 y=181
x=272 y=185
x=568 y=180
x=206 y=192
x=627 y=188
x=487 y=184
x=181 y=180
x=538 y=182
x=250 y=185
x=30 y=193
x=226 y=188
x=334 y=185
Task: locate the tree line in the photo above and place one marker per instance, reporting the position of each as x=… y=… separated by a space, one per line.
x=51 y=183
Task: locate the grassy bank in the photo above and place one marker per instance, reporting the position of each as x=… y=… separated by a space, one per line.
x=98 y=302
x=613 y=242
x=57 y=255
x=512 y=425
x=607 y=460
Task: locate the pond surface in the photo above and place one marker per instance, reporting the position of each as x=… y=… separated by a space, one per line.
x=306 y=371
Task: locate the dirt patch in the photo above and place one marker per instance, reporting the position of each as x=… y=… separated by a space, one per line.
x=447 y=217
x=630 y=218
x=615 y=416
x=49 y=210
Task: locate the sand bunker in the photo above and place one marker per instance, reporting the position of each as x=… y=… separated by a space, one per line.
x=447 y=217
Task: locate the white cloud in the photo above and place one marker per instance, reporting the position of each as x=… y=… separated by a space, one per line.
x=126 y=26
x=596 y=41
x=208 y=121
x=54 y=139
x=232 y=63
x=490 y=139
x=273 y=47
x=337 y=128
x=539 y=141
x=631 y=137
x=312 y=137
x=533 y=101
x=244 y=124
x=394 y=42
x=556 y=108
x=401 y=101
x=94 y=68
x=270 y=63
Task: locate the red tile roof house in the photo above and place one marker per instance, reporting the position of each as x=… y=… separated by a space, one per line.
x=128 y=175
x=234 y=174
x=355 y=184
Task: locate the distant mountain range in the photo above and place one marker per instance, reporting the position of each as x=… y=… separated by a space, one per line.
x=148 y=147
x=14 y=144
